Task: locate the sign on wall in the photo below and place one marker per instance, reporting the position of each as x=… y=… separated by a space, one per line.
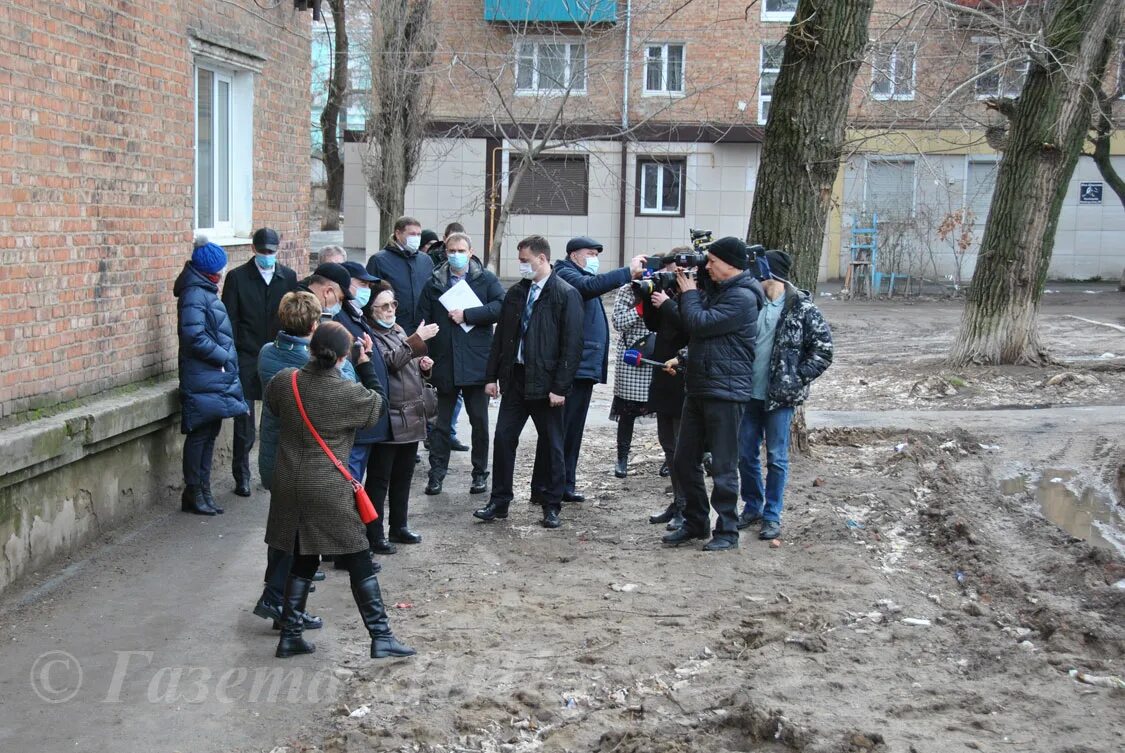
x=1090 y=193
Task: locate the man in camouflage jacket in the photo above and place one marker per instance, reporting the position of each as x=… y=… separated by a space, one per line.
x=794 y=347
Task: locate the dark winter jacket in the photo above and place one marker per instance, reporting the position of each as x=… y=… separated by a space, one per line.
x=209 y=386
x=408 y=272
x=460 y=357
x=354 y=322
x=252 y=308
x=722 y=324
x=552 y=347
x=399 y=354
x=802 y=350
x=595 y=327
x=666 y=393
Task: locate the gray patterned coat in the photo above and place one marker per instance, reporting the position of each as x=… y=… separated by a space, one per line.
x=802 y=350
x=629 y=382
x=309 y=496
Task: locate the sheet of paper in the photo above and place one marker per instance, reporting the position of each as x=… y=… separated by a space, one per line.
x=460 y=296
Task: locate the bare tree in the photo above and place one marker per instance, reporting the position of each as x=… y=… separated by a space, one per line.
x=335 y=101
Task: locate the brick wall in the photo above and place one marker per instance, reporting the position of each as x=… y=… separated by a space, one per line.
x=96 y=180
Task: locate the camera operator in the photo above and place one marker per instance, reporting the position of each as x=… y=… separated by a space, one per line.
x=721 y=323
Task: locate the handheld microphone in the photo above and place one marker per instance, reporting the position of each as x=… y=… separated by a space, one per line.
x=634 y=358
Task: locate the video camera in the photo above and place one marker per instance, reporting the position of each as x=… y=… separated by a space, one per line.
x=657 y=278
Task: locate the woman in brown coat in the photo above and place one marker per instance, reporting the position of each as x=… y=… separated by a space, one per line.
x=312 y=505
x=392 y=464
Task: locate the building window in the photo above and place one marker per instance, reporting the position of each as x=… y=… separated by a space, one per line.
x=997 y=77
x=551 y=68
x=660 y=186
x=980 y=182
x=890 y=189
x=893 y=71
x=778 y=10
x=772 y=55
x=554 y=185
x=664 y=69
x=223 y=150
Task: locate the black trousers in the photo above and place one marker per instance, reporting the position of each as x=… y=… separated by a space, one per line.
x=358 y=565
x=199 y=450
x=711 y=424
x=476 y=405
x=244 y=437
x=548 y=476
x=575 y=408
x=389 y=473
x=668 y=433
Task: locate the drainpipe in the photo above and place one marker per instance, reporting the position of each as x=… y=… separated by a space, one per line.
x=623 y=182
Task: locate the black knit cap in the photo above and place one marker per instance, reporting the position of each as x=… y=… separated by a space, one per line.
x=731 y=250
x=780 y=263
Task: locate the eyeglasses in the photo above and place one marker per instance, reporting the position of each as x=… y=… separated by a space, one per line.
x=391 y=306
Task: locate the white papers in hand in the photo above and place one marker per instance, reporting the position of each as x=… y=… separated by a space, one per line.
x=460 y=296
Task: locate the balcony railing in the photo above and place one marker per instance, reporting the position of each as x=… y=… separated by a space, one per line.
x=579 y=12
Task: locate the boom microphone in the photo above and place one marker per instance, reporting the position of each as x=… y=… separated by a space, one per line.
x=634 y=358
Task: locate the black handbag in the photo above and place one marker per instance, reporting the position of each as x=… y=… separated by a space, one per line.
x=429 y=400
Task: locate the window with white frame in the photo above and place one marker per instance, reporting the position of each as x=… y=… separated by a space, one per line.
x=223 y=150
x=996 y=75
x=889 y=188
x=551 y=67
x=980 y=182
x=664 y=69
x=892 y=71
x=778 y=10
x=771 y=56
x=660 y=186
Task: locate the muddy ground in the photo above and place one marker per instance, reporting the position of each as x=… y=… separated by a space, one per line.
x=919 y=602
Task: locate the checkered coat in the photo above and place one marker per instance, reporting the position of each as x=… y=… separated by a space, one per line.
x=308 y=495
x=629 y=382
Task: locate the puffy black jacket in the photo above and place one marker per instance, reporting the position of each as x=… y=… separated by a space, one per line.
x=408 y=272
x=666 y=392
x=595 y=328
x=252 y=307
x=722 y=324
x=552 y=346
x=460 y=357
x=209 y=386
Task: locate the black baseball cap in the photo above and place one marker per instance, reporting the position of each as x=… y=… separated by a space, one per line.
x=338 y=274
x=582 y=241
x=266 y=239
x=359 y=272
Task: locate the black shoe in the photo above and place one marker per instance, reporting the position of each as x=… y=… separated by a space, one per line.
x=369 y=599
x=194 y=502
x=664 y=517
x=292 y=619
x=480 y=483
x=242 y=488
x=682 y=536
x=550 y=518
x=267 y=611
x=211 y=501
x=311 y=622
x=491 y=511
x=746 y=518
x=458 y=446
x=707 y=462
x=720 y=544
x=573 y=497
x=382 y=546
x=665 y=471
x=433 y=487
x=676 y=523
x=770 y=530
x=404 y=536
x=621 y=469
x=318 y=576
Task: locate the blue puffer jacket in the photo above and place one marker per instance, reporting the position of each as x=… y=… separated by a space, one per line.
x=408 y=272
x=722 y=327
x=595 y=327
x=209 y=386
x=284 y=352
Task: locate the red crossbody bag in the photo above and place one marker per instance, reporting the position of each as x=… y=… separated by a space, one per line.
x=362 y=502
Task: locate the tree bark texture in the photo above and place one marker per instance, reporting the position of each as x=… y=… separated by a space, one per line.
x=504 y=213
x=337 y=92
x=804 y=134
x=1049 y=123
x=1103 y=132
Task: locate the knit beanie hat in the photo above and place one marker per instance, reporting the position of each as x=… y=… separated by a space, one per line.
x=731 y=250
x=208 y=257
x=780 y=263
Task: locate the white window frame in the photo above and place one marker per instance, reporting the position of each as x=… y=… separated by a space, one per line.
x=970 y=160
x=240 y=178
x=762 y=71
x=892 y=61
x=664 y=58
x=884 y=159
x=780 y=16
x=681 y=164
x=535 y=90
x=1005 y=73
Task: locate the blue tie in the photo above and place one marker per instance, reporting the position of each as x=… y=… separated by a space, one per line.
x=526 y=318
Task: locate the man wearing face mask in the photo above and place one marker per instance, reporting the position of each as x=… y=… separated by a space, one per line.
x=405 y=268
x=460 y=357
x=331 y=284
x=252 y=293
x=580 y=269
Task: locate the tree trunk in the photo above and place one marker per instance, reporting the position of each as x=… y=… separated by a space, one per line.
x=806 y=127
x=504 y=213
x=1049 y=124
x=1103 y=133
x=330 y=118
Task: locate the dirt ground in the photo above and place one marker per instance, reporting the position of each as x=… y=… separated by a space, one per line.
x=919 y=601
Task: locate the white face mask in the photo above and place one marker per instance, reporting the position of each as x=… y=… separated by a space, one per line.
x=413 y=242
x=527 y=272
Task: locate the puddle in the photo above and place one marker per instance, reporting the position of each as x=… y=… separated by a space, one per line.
x=1090 y=516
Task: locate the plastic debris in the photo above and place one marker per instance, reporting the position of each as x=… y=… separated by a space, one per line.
x=404 y=605
x=775 y=543
x=1027 y=645
x=361 y=712
x=852 y=523
x=989 y=447
x=960 y=577
x=916 y=621
x=624 y=587
x=1106 y=681
x=901 y=447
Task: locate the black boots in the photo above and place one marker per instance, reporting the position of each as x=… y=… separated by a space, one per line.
x=292 y=619
x=369 y=599
x=195 y=502
x=210 y=499
x=621 y=469
x=404 y=535
x=480 y=483
x=673 y=515
x=491 y=511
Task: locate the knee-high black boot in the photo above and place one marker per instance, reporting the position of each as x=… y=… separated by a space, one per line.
x=292 y=618
x=369 y=599
x=624 y=443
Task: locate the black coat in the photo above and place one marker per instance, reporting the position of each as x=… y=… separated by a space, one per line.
x=408 y=272
x=595 y=328
x=353 y=322
x=722 y=324
x=552 y=346
x=460 y=357
x=666 y=392
x=252 y=307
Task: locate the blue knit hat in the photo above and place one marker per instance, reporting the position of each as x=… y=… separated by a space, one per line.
x=207 y=257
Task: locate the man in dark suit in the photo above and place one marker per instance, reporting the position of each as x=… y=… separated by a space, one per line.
x=252 y=293
x=534 y=357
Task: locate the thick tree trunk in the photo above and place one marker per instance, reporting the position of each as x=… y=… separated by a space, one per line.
x=801 y=154
x=504 y=213
x=1104 y=128
x=330 y=118
x=1049 y=124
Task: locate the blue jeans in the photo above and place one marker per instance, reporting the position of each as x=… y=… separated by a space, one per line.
x=456 y=415
x=758 y=423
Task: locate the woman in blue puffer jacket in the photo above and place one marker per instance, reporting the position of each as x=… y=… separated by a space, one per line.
x=209 y=386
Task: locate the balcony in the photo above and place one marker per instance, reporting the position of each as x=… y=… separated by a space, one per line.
x=578 y=12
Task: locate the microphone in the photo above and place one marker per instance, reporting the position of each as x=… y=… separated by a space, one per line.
x=634 y=358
